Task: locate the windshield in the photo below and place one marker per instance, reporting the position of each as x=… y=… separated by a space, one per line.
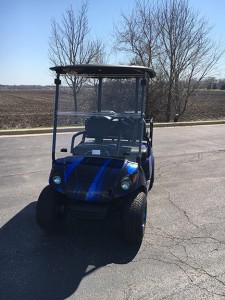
x=103 y=118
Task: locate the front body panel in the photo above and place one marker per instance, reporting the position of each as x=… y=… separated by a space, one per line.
x=95 y=179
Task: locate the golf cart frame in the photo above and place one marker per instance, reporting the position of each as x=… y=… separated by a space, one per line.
x=111 y=167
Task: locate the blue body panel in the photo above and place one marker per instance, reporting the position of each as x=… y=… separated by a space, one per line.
x=95 y=179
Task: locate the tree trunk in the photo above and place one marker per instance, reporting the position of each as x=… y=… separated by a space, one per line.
x=75 y=95
x=169 y=98
x=168 y=106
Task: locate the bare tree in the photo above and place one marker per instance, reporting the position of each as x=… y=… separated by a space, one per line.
x=137 y=36
x=70 y=43
x=187 y=52
x=172 y=38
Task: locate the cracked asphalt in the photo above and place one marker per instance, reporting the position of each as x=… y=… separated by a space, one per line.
x=182 y=255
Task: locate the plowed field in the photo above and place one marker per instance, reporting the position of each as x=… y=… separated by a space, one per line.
x=33 y=107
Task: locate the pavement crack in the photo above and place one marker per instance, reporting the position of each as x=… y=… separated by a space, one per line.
x=194 y=158
x=167 y=252
x=182 y=211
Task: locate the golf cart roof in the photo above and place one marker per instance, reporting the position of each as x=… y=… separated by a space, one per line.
x=106 y=71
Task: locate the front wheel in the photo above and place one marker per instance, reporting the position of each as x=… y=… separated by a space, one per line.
x=51 y=209
x=134 y=217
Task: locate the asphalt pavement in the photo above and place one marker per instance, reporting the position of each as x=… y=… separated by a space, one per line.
x=182 y=255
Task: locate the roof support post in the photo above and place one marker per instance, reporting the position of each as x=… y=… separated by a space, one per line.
x=57 y=83
x=100 y=94
x=136 y=95
x=141 y=127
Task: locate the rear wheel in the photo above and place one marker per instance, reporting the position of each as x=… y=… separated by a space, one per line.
x=51 y=210
x=134 y=217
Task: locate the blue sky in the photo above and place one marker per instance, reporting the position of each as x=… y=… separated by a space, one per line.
x=25 y=27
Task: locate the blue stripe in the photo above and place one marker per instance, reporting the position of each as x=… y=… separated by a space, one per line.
x=97 y=183
x=71 y=167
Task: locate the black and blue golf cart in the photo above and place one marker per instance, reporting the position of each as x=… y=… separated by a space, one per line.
x=102 y=156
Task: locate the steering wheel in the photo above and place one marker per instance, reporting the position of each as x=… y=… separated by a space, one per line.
x=123 y=123
x=128 y=122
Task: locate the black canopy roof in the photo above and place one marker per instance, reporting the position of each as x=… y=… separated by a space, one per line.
x=102 y=70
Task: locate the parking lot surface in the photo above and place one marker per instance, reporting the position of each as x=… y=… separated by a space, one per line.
x=182 y=255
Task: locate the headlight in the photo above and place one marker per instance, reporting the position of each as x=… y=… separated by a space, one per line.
x=125 y=185
x=57 y=179
x=127 y=181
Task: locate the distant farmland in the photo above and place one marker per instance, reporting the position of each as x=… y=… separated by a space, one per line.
x=26 y=108
x=29 y=107
x=206 y=105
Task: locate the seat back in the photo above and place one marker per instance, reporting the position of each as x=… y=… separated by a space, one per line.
x=100 y=127
x=97 y=126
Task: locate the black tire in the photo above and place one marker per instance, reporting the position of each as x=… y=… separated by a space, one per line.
x=153 y=175
x=51 y=210
x=134 y=217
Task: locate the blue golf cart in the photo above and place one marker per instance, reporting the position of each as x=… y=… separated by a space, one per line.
x=102 y=155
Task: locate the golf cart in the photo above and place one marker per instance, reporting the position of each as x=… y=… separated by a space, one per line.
x=107 y=164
